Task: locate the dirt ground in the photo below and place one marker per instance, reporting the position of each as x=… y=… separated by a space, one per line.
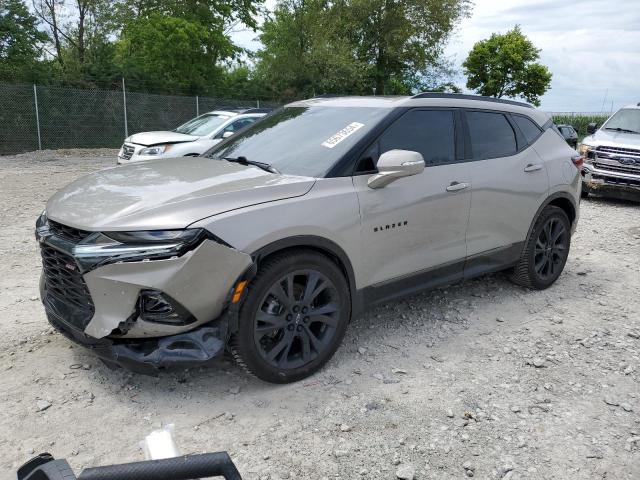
x=481 y=379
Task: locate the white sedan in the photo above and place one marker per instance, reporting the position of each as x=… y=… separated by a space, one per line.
x=193 y=138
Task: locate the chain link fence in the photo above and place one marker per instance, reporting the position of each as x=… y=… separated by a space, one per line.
x=40 y=117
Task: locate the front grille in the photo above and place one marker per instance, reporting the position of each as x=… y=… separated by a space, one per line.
x=70 y=234
x=64 y=282
x=127 y=151
x=618 y=168
x=619 y=151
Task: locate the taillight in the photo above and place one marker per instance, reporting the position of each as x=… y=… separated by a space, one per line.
x=578 y=161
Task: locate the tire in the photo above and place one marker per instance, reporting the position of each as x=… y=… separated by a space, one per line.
x=279 y=338
x=545 y=252
x=584 y=192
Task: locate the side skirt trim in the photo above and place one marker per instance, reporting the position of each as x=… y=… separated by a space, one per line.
x=480 y=264
x=493 y=260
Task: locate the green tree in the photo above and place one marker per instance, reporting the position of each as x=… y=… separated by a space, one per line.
x=170 y=55
x=306 y=52
x=356 y=46
x=81 y=40
x=179 y=46
x=20 y=43
x=506 y=66
x=403 y=40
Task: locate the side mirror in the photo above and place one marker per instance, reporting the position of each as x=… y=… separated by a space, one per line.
x=591 y=128
x=396 y=164
x=227 y=134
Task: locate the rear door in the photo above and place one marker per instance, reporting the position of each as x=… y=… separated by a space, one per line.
x=509 y=181
x=415 y=223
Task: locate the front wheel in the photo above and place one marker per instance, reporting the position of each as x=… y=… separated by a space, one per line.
x=546 y=250
x=294 y=317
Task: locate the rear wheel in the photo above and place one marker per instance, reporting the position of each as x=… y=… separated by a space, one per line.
x=294 y=317
x=546 y=251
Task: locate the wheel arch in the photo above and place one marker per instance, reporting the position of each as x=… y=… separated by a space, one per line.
x=321 y=245
x=561 y=200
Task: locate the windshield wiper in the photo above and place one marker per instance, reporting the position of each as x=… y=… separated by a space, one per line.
x=245 y=161
x=623 y=130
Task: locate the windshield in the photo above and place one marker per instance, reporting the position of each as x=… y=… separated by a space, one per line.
x=203 y=125
x=304 y=141
x=627 y=119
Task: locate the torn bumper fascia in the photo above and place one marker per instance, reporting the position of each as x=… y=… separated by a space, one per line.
x=199 y=280
x=616 y=184
x=150 y=355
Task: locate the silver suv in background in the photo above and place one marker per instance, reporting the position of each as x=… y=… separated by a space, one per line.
x=269 y=244
x=193 y=138
x=612 y=156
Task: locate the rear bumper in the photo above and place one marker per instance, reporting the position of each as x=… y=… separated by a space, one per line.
x=149 y=355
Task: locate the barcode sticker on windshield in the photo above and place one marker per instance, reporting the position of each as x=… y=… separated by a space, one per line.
x=342 y=134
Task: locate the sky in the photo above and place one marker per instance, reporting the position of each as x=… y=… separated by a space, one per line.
x=592 y=47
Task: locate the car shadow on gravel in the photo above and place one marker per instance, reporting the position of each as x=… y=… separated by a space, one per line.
x=430 y=318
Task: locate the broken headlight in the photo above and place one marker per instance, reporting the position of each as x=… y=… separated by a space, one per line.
x=587 y=151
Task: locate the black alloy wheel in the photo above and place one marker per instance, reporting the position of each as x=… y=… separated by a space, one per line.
x=546 y=250
x=551 y=249
x=294 y=317
x=297 y=319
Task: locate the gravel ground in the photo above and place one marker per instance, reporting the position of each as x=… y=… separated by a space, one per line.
x=481 y=379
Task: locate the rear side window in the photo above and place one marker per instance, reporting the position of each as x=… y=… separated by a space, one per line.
x=491 y=135
x=430 y=132
x=529 y=129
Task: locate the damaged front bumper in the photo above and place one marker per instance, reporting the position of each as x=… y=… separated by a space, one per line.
x=610 y=181
x=146 y=314
x=150 y=355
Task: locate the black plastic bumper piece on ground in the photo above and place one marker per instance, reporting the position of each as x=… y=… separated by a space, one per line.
x=148 y=356
x=206 y=465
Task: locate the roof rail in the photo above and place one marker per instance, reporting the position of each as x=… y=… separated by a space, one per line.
x=259 y=110
x=331 y=95
x=461 y=96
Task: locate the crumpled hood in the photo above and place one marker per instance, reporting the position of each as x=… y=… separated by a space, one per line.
x=155 y=138
x=611 y=138
x=166 y=194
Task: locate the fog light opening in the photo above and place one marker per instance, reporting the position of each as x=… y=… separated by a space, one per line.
x=158 y=307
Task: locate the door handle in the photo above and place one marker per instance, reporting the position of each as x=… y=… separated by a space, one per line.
x=456 y=186
x=533 y=167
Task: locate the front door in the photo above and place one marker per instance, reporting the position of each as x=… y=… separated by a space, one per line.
x=415 y=224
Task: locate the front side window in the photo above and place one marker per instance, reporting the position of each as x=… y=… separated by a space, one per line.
x=491 y=135
x=304 y=141
x=203 y=125
x=429 y=132
x=236 y=126
x=626 y=120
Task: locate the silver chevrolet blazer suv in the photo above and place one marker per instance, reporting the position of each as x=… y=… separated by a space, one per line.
x=267 y=245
